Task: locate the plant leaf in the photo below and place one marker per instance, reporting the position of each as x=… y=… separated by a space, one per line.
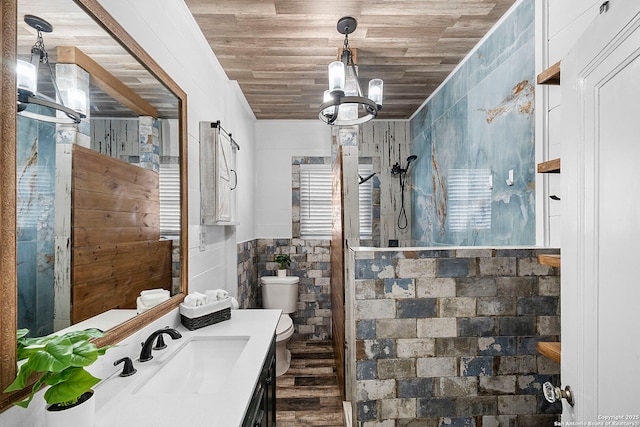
x=76 y=382
x=21 y=379
x=103 y=350
x=59 y=377
x=34 y=390
x=54 y=358
x=84 y=354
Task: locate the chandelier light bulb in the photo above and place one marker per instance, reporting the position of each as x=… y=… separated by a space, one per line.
x=27 y=76
x=376 y=90
x=336 y=76
x=329 y=111
x=76 y=99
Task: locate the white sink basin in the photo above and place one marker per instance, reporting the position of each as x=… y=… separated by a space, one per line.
x=200 y=365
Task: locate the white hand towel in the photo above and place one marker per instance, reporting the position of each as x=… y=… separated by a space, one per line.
x=150 y=299
x=190 y=300
x=153 y=291
x=222 y=294
x=212 y=295
x=140 y=307
x=195 y=299
x=234 y=303
x=216 y=294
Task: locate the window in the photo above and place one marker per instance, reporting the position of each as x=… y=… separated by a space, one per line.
x=469 y=199
x=315 y=202
x=169 y=199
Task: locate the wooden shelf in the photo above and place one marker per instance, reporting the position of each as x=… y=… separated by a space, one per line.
x=550 y=76
x=550 y=350
x=550 y=260
x=550 y=166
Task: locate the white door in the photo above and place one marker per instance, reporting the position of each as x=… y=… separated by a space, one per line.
x=600 y=298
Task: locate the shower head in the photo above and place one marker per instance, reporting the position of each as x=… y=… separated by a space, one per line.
x=410 y=159
x=397 y=170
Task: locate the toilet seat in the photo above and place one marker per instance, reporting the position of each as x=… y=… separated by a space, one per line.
x=285 y=328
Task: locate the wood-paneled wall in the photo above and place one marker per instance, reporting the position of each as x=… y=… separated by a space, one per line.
x=389 y=140
x=337 y=268
x=115 y=137
x=116 y=247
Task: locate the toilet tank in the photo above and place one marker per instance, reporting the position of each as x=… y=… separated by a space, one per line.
x=280 y=293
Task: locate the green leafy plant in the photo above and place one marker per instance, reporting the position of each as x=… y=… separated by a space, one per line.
x=61 y=360
x=284 y=261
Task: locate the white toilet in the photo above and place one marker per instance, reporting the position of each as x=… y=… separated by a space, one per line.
x=281 y=293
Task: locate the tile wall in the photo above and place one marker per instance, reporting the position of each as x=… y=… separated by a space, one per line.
x=478 y=126
x=310 y=260
x=35 y=196
x=448 y=337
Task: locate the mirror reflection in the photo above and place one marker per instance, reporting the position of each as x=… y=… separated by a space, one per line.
x=98 y=202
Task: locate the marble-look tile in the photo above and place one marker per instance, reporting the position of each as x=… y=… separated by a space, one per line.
x=36 y=168
x=481 y=118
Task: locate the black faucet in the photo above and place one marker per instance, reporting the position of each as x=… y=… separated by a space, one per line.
x=145 y=354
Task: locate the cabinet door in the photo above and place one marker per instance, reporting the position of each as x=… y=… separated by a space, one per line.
x=262 y=408
x=218 y=177
x=224 y=169
x=270 y=387
x=601 y=208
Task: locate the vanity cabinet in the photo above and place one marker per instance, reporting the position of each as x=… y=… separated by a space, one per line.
x=262 y=409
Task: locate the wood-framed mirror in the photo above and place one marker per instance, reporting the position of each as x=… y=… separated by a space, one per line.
x=9 y=45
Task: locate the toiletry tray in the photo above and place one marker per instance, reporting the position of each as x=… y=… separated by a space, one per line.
x=199 y=317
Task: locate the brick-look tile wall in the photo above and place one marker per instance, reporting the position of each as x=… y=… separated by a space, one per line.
x=248 y=290
x=310 y=261
x=448 y=337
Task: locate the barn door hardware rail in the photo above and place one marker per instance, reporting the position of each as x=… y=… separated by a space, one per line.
x=217 y=125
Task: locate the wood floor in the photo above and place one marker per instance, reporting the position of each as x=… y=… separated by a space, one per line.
x=307 y=394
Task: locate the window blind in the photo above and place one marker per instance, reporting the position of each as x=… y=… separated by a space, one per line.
x=469 y=199
x=315 y=202
x=169 y=199
x=365 y=194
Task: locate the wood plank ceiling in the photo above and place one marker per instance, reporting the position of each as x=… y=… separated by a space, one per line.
x=278 y=50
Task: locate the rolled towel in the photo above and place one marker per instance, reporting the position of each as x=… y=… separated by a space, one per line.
x=195 y=299
x=216 y=294
x=190 y=300
x=212 y=295
x=150 y=299
x=202 y=299
x=234 y=303
x=140 y=307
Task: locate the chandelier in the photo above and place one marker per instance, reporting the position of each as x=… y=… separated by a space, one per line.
x=344 y=103
x=27 y=82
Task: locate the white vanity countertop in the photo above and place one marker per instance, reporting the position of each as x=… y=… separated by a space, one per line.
x=225 y=407
x=103 y=321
